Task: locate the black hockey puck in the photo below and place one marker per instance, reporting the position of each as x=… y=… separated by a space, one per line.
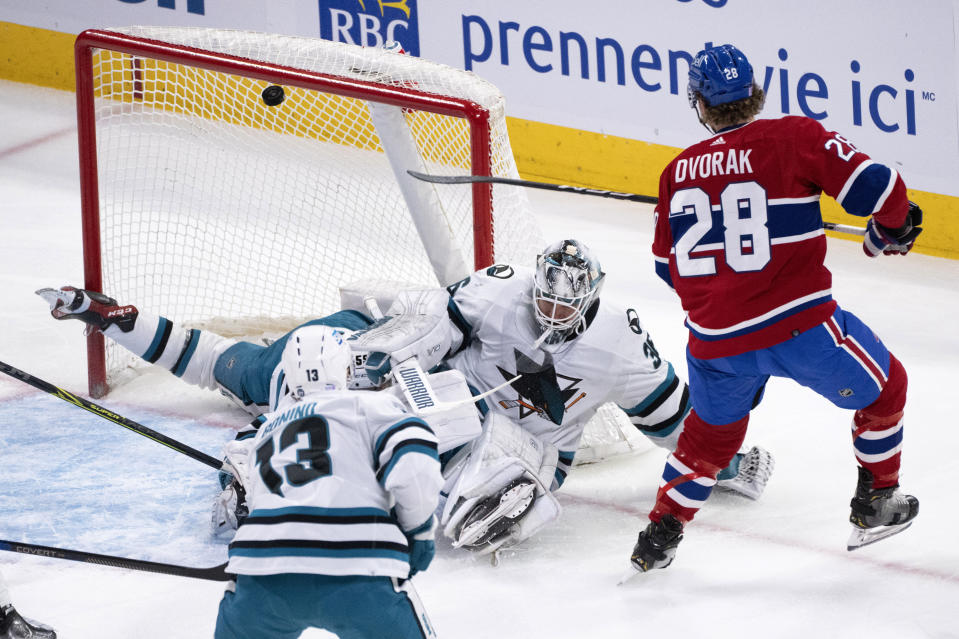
x=273 y=95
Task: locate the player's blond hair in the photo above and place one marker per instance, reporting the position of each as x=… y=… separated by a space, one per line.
x=736 y=112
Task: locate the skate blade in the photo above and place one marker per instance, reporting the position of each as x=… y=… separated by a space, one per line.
x=509 y=504
x=631 y=572
x=55 y=297
x=864 y=536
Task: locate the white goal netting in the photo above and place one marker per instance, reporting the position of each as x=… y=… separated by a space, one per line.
x=215 y=208
x=214 y=204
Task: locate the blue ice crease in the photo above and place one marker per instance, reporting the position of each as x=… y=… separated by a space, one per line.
x=71 y=479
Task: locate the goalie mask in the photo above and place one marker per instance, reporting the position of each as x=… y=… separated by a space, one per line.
x=566 y=283
x=316 y=358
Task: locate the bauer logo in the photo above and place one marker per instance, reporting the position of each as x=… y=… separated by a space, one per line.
x=370 y=23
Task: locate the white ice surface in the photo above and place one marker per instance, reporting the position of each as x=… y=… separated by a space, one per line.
x=773 y=568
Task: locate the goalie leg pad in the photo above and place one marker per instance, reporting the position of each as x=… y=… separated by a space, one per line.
x=504 y=466
x=523 y=517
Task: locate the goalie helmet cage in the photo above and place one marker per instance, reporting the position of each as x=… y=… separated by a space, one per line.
x=203 y=202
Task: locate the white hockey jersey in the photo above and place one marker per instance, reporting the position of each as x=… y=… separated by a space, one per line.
x=335 y=479
x=612 y=360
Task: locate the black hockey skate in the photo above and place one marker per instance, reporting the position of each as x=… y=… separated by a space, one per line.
x=880 y=513
x=656 y=546
x=493 y=517
x=94 y=309
x=13 y=626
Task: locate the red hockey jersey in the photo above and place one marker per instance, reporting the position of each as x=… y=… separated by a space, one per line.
x=739 y=232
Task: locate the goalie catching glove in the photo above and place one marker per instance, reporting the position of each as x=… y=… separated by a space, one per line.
x=416 y=325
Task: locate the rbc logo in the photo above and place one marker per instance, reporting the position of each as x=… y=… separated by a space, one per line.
x=370 y=23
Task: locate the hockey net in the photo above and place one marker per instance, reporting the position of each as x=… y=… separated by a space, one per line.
x=206 y=204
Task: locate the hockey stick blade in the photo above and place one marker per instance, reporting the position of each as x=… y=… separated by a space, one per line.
x=546 y=186
x=110 y=416
x=215 y=573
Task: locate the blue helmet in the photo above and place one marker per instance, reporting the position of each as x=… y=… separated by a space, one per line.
x=720 y=74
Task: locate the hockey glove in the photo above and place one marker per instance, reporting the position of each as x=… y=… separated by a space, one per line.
x=422 y=546
x=881 y=239
x=378 y=366
x=229 y=510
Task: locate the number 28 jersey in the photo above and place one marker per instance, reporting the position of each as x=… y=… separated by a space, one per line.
x=739 y=231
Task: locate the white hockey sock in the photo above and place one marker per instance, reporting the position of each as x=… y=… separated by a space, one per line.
x=187 y=353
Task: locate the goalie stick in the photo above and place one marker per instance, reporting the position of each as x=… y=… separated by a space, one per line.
x=110 y=416
x=214 y=573
x=616 y=195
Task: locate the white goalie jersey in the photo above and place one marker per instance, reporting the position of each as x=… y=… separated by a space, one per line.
x=562 y=386
x=336 y=479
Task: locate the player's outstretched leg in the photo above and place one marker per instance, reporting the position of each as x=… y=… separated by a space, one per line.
x=190 y=354
x=13 y=626
x=878 y=513
x=92 y=308
x=753 y=470
x=656 y=546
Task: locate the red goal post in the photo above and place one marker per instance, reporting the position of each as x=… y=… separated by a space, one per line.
x=195 y=192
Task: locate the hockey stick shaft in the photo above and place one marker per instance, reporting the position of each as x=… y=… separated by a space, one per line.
x=616 y=195
x=110 y=416
x=844 y=228
x=215 y=573
x=546 y=186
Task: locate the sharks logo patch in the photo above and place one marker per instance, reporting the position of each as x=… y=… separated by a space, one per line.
x=541 y=389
